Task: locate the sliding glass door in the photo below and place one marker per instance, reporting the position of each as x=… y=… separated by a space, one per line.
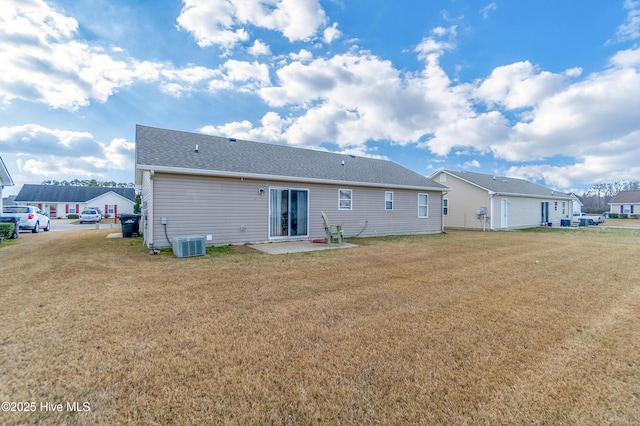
x=288 y=212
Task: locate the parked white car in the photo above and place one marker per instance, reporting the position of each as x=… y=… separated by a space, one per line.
x=29 y=217
x=90 y=216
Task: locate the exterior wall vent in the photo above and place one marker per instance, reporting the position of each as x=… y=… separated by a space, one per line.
x=189 y=246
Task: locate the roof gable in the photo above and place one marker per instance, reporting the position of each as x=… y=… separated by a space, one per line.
x=626 y=197
x=506 y=185
x=68 y=194
x=5 y=177
x=162 y=149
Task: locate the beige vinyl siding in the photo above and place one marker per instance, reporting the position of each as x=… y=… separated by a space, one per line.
x=232 y=210
x=464 y=201
x=368 y=216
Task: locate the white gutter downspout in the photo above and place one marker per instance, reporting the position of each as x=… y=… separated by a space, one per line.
x=491 y=202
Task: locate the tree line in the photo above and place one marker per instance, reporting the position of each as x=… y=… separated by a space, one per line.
x=88 y=182
x=596 y=198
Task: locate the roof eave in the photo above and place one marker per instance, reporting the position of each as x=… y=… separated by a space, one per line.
x=5 y=177
x=106 y=193
x=515 y=194
x=221 y=173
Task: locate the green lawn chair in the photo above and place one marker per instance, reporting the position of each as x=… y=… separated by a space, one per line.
x=334 y=236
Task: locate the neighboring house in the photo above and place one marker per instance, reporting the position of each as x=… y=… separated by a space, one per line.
x=236 y=191
x=60 y=201
x=5 y=180
x=625 y=202
x=577 y=204
x=508 y=203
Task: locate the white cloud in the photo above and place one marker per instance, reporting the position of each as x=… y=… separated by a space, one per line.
x=430 y=46
x=183 y=81
x=259 y=49
x=489 y=8
x=589 y=169
x=246 y=71
x=41 y=62
x=223 y=22
x=43 y=152
x=479 y=131
x=302 y=56
x=331 y=34
x=518 y=85
x=580 y=120
x=352 y=98
x=630 y=30
x=271 y=129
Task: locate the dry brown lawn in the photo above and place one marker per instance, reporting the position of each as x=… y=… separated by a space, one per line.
x=460 y=328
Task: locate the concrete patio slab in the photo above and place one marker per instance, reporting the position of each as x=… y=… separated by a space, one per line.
x=296 y=247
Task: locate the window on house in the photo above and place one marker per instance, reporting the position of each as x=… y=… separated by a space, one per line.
x=564 y=207
x=344 y=199
x=445 y=207
x=388 y=200
x=72 y=208
x=443 y=177
x=555 y=206
x=110 y=209
x=423 y=205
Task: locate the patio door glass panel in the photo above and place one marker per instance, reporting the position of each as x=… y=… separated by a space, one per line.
x=288 y=212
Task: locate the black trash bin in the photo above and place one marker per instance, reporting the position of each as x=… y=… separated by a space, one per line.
x=130 y=225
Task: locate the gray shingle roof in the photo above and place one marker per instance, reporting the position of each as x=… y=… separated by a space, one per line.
x=626 y=197
x=161 y=148
x=507 y=185
x=68 y=194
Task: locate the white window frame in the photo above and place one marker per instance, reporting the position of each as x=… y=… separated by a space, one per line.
x=445 y=207
x=388 y=198
x=425 y=206
x=344 y=191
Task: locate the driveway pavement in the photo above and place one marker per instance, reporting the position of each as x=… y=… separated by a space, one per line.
x=73 y=225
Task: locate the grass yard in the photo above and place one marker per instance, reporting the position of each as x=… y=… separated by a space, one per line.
x=460 y=328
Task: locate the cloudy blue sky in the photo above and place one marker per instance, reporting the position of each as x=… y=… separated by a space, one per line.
x=545 y=90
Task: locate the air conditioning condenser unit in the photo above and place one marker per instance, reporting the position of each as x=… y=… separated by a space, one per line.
x=189 y=246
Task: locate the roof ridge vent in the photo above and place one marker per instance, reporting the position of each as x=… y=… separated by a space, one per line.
x=232 y=139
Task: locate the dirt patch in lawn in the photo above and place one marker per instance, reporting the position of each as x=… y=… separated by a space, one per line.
x=243 y=249
x=459 y=328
